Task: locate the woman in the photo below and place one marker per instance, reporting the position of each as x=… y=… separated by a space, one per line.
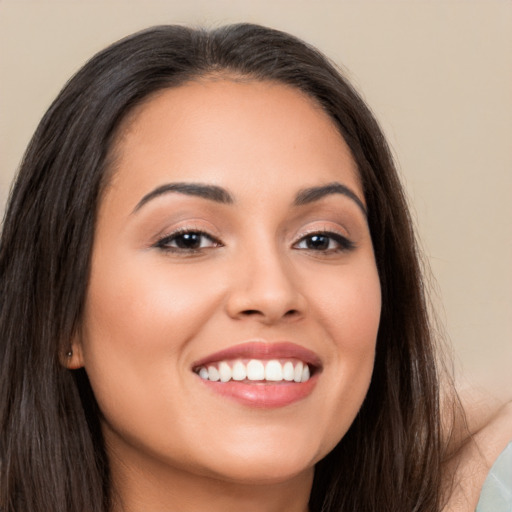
x=210 y=292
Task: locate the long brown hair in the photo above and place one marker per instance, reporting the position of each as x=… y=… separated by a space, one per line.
x=52 y=456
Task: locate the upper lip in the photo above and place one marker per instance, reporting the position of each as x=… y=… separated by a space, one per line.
x=262 y=350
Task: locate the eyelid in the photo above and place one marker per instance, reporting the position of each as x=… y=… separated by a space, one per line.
x=183 y=231
x=323 y=227
x=191 y=225
x=343 y=239
x=196 y=225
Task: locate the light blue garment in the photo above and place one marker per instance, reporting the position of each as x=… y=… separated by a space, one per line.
x=496 y=493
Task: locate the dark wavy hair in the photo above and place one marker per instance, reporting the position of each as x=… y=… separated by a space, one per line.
x=52 y=454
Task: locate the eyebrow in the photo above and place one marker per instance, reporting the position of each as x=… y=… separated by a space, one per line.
x=310 y=195
x=211 y=192
x=221 y=195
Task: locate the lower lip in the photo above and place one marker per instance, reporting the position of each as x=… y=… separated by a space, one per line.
x=263 y=395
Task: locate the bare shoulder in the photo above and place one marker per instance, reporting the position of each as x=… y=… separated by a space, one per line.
x=479 y=435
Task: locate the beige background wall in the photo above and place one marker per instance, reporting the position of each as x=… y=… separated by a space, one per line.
x=438 y=75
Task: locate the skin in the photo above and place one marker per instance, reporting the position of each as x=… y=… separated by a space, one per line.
x=151 y=311
x=477 y=440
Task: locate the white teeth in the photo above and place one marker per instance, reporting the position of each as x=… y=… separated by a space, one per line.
x=239 y=371
x=274 y=371
x=213 y=373
x=224 y=372
x=288 y=371
x=305 y=373
x=256 y=370
x=297 y=374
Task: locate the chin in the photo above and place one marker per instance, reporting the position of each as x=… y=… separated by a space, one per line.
x=256 y=463
x=263 y=471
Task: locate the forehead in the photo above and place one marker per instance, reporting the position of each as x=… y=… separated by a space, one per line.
x=258 y=130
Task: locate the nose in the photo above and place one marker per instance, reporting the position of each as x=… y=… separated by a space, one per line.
x=264 y=287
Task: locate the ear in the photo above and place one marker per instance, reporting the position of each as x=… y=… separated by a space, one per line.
x=72 y=356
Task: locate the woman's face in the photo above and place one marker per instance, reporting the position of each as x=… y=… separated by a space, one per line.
x=231 y=251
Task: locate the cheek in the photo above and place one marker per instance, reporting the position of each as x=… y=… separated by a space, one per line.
x=138 y=320
x=348 y=307
x=355 y=326
x=143 y=303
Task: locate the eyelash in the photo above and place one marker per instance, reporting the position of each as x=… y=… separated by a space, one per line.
x=164 y=243
x=343 y=243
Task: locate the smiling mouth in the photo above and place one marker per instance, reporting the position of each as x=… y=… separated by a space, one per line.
x=256 y=370
x=260 y=374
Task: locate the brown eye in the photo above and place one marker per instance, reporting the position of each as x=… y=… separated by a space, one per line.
x=318 y=242
x=324 y=242
x=187 y=241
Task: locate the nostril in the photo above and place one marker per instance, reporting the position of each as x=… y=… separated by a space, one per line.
x=252 y=312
